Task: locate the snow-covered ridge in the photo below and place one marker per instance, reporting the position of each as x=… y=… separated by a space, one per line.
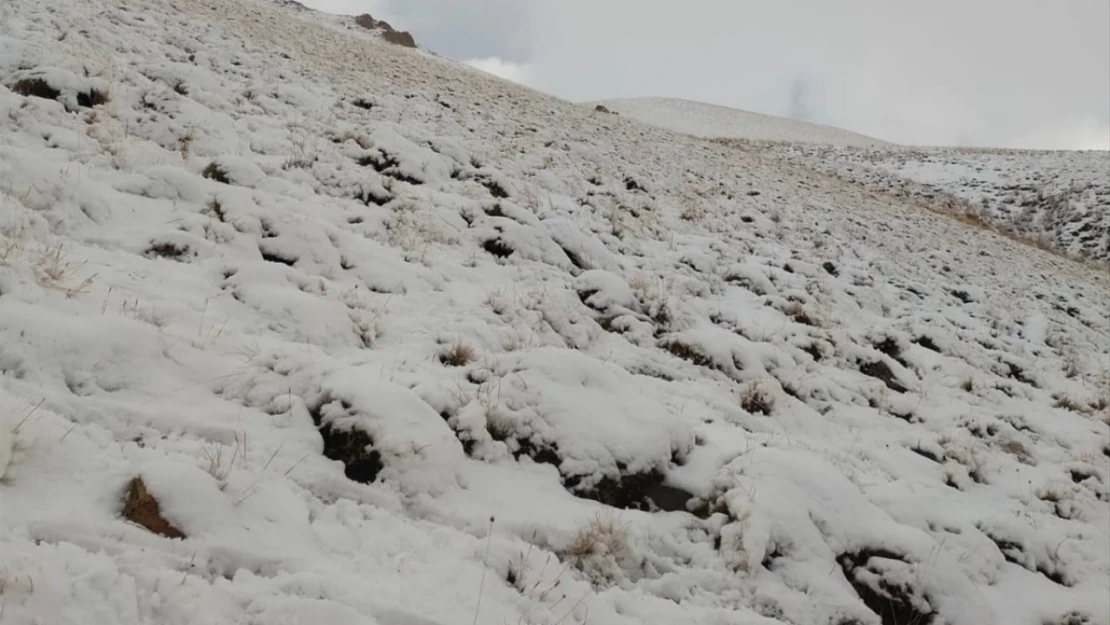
x=1056 y=198
x=711 y=121
x=297 y=326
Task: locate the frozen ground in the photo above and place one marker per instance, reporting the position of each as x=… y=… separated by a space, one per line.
x=721 y=122
x=297 y=326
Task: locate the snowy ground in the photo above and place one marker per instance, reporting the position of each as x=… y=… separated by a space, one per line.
x=389 y=341
x=1057 y=199
x=721 y=122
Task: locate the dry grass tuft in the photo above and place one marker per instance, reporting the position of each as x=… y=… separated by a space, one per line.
x=757 y=398
x=604 y=534
x=458 y=354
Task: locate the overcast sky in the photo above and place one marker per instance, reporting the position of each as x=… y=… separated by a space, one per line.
x=1002 y=73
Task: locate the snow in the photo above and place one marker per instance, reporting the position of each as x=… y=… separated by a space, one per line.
x=721 y=122
x=1056 y=199
x=394 y=342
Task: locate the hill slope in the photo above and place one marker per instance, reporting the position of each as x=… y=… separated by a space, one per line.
x=297 y=326
x=711 y=121
x=1058 y=199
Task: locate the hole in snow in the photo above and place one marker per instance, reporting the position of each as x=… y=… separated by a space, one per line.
x=351 y=446
x=498 y=248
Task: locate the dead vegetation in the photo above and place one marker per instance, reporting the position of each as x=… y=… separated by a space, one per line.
x=458 y=354
x=757 y=398
x=142 y=508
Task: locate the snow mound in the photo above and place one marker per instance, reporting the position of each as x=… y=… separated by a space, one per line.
x=711 y=121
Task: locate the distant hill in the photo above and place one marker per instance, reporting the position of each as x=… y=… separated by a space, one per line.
x=712 y=121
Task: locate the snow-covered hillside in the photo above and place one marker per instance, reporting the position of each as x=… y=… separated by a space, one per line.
x=711 y=121
x=1058 y=199
x=298 y=326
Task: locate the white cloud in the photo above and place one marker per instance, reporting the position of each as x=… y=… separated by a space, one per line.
x=508 y=70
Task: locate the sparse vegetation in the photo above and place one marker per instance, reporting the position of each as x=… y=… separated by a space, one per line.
x=757 y=398
x=458 y=354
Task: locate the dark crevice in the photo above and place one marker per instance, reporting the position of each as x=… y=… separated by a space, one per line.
x=882 y=372
x=495 y=189
x=891 y=348
x=276 y=257
x=927 y=343
x=353 y=447
x=498 y=248
x=1014 y=553
x=925 y=453
x=574 y=258
x=891 y=601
